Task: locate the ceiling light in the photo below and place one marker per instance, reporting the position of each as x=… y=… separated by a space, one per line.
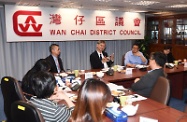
x=162 y=12
x=145 y=3
x=111 y=9
x=177 y=6
x=127 y=1
x=102 y=0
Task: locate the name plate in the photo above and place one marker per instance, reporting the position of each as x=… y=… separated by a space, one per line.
x=129 y=71
x=88 y=75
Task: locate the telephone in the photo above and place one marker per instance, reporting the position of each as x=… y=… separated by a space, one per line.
x=170 y=65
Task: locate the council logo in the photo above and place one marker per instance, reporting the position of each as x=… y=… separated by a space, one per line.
x=29 y=26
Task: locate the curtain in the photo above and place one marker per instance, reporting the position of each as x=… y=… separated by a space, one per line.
x=18 y=57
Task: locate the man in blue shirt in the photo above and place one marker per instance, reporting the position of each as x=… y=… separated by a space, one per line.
x=134 y=57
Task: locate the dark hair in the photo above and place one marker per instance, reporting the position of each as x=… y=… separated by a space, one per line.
x=159 y=58
x=51 y=47
x=101 y=41
x=40 y=65
x=167 y=47
x=43 y=84
x=92 y=99
x=136 y=44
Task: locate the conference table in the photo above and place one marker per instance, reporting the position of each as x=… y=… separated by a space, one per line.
x=154 y=110
x=150 y=108
x=177 y=77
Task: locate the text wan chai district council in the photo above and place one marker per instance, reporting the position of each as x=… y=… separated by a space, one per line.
x=95 y=32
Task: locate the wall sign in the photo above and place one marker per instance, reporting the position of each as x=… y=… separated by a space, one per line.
x=25 y=23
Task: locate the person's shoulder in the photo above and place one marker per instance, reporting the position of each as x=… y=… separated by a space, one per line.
x=157 y=71
x=93 y=53
x=48 y=57
x=129 y=52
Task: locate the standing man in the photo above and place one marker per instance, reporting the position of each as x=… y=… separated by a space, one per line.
x=99 y=59
x=134 y=57
x=144 y=85
x=54 y=60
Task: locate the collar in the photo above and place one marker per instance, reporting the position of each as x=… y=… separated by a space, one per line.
x=54 y=57
x=99 y=53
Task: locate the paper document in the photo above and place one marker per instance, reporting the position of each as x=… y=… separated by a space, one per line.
x=136 y=97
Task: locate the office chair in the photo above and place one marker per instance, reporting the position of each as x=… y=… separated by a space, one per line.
x=185 y=110
x=11 y=92
x=22 y=111
x=122 y=60
x=161 y=90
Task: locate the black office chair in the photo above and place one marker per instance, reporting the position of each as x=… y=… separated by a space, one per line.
x=185 y=109
x=161 y=90
x=22 y=111
x=122 y=60
x=11 y=92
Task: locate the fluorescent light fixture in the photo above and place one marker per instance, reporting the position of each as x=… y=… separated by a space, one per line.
x=127 y=1
x=145 y=3
x=111 y=9
x=102 y=0
x=177 y=6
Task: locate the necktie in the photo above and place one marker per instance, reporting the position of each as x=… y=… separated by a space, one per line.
x=58 y=66
x=100 y=57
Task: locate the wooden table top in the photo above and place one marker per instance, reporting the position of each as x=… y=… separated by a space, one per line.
x=152 y=109
x=136 y=74
x=162 y=115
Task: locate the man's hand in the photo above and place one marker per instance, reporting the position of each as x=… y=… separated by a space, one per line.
x=136 y=80
x=112 y=57
x=138 y=54
x=105 y=59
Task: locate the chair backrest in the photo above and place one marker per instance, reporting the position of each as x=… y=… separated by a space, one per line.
x=185 y=109
x=22 y=111
x=122 y=60
x=161 y=90
x=11 y=92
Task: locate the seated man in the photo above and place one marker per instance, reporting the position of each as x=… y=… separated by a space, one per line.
x=134 y=57
x=99 y=59
x=54 y=60
x=144 y=85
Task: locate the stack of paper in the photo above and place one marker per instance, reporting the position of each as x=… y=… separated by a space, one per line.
x=115 y=87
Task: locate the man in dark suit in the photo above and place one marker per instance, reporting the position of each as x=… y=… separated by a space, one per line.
x=144 y=85
x=54 y=60
x=99 y=59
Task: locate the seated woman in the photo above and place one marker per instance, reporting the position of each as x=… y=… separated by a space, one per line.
x=168 y=54
x=91 y=102
x=40 y=65
x=44 y=87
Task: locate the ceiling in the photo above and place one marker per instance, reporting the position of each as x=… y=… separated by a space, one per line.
x=162 y=7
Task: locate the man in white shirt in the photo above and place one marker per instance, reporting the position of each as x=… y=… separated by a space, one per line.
x=99 y=59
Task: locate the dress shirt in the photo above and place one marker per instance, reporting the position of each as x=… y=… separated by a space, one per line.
x=57 y=63
x=101 y=54
x=132 y=59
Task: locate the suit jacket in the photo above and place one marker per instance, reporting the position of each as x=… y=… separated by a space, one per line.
x=53 y=65
x=145 y=85
x=96 y=62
